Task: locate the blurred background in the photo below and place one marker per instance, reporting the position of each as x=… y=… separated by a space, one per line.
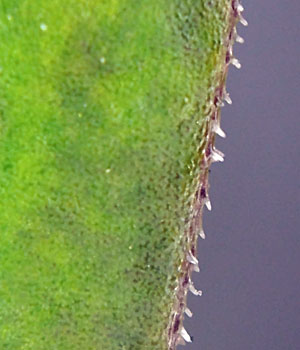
x=250 y=259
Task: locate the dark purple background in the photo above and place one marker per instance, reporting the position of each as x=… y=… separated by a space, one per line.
x=250 y=258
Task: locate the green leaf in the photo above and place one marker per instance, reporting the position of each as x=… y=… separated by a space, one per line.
x=107 y=117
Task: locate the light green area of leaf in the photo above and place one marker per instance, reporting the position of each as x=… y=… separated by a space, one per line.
x=102 y=112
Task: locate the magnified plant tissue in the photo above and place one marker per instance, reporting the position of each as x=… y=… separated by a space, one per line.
x=108 y=116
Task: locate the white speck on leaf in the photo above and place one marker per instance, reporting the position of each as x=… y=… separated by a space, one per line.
x=43 y=27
